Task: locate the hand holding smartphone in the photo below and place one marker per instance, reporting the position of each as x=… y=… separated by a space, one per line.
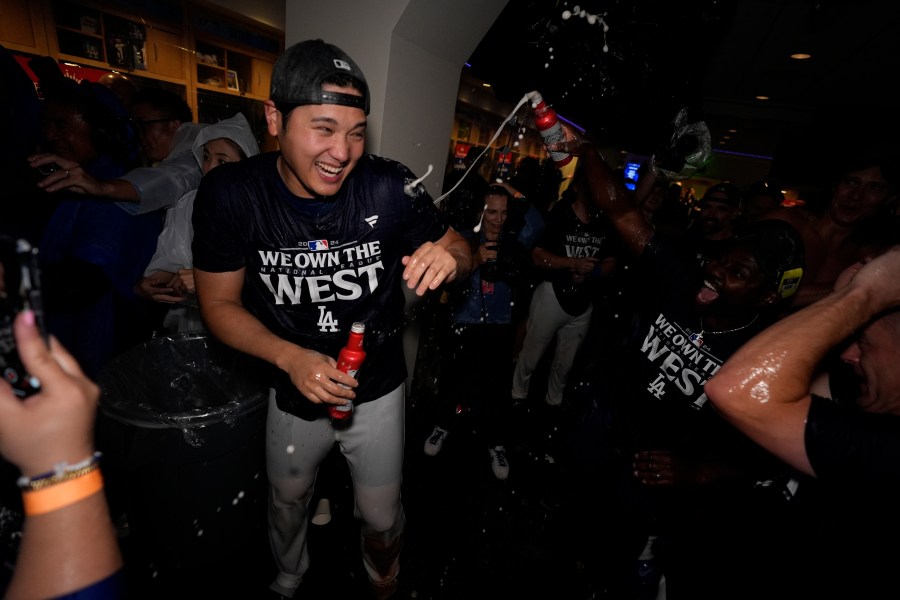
x=20 y=290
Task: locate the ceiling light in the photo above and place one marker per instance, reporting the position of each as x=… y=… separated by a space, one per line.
x=762 y=97
x=486 y=84
x=801 y=56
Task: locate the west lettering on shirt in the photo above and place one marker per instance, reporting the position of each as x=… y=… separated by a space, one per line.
x=323 y=269
x=681 y=362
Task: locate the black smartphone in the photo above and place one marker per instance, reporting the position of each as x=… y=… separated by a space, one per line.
x=20 y=290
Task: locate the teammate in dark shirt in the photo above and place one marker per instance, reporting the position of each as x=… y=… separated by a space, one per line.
x=775 y=407
x=290 y=248
x=689 y=468
x=853 y=451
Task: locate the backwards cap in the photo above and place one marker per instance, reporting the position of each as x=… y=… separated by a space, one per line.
x=300 y=71
x=778 y=250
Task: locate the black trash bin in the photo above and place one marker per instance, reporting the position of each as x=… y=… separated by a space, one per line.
x=182 y=428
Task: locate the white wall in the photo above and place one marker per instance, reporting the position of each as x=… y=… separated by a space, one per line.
x=412 y=53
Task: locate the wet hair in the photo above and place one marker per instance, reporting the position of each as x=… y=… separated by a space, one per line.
x=498 y=190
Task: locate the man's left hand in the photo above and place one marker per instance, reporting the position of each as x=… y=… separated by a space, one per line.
x=428 y=267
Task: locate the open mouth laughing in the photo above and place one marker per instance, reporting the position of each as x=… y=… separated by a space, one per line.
x=329 y=172
x=707 y=294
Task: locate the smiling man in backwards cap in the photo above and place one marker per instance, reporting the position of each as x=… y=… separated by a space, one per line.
x=290 y=249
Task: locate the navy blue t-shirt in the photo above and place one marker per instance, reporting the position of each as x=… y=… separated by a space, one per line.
x=566 y=235
x=668 y=360
x=846 y=443
x=314 y=267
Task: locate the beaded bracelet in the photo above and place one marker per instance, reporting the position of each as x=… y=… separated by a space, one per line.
x=40 y=484
x=58 y=474
x=54 y=497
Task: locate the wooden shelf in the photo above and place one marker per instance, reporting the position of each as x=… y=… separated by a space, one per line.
x=80 y=45
x=219 y=66
x=79 y=32
x=22 y=26
x=220 y=59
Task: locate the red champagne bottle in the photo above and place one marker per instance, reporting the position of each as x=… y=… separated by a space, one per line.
x=349 y=360
x=548 y=125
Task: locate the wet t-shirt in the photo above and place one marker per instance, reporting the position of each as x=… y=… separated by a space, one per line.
x=314 y=267
x=668 y=360
x=856 y=457
x=843 y=442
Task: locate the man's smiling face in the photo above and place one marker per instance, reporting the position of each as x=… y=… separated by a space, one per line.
x=321 y=145
x=734 y=283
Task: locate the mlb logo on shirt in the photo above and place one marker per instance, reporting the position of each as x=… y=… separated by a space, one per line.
x=316 y=245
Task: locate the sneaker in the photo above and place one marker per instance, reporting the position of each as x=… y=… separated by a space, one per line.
x=498 y=462
x=435 y=441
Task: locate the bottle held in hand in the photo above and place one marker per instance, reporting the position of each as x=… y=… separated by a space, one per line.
x=349 y=361
x=547 y=123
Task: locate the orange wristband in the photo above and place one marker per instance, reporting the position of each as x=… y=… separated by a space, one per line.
x=62 y=494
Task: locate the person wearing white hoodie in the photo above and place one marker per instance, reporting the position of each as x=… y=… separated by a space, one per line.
x=169 y=277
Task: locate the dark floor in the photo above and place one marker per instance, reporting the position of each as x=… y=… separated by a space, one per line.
x=469 y=535
x=543 y=533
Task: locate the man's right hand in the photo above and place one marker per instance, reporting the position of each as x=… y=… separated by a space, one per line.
x=157 y=287
x=69 y=176
x=317 y=377
x=574 y=144
x=73 y=177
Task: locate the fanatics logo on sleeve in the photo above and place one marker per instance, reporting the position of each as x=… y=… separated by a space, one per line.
x=318 y=245
x=372 y=220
